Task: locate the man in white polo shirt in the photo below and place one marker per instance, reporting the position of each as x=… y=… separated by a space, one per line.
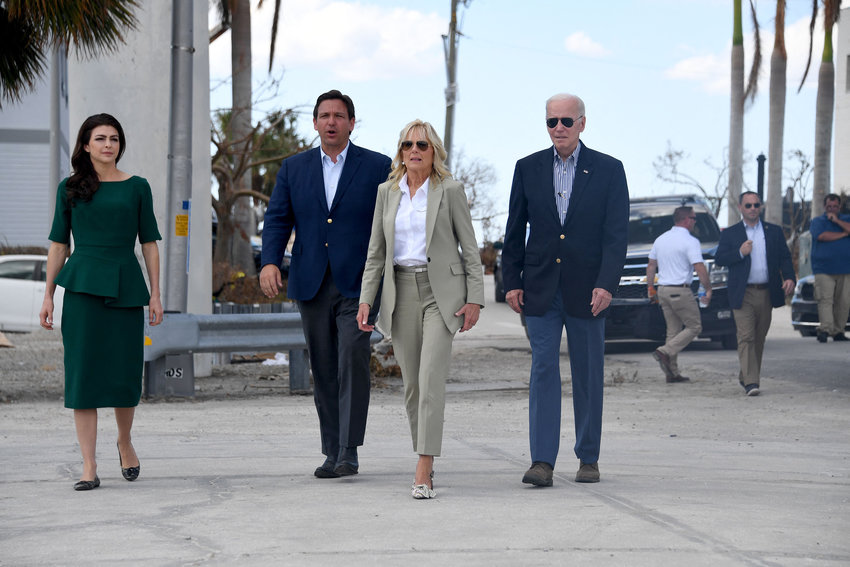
x=674 y=256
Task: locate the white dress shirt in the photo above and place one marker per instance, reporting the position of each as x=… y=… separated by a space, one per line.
x=758 y=256
x=331 y=172
x=409 y=246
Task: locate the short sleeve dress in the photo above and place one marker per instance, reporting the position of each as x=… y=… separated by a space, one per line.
x=105 y=292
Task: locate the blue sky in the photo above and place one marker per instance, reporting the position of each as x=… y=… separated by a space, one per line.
x=649 y=71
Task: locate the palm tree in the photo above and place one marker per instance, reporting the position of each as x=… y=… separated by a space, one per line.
x=29 y=30
x=776 y=122
x=736 y=112
x=235 y=15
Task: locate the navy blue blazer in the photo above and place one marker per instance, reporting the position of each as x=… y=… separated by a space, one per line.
x=586 y=252
x=338 y=236
x=779 y=264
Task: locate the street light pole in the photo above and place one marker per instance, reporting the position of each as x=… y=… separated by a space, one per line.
x=179 y=189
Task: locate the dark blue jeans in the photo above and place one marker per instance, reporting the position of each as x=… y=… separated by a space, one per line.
x=586 y=344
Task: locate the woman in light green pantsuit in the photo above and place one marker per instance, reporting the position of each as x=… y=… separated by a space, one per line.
x=423 y=246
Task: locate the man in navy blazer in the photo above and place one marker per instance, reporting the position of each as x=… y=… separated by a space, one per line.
x=575 y=203
x=761 y=274
x=327 y=195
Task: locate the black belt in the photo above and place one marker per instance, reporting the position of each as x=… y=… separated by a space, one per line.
x=677 y=285
x=757 y=285
x=411 y=269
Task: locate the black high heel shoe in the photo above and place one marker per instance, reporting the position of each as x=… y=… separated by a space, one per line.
x=130 y=473
x=87 y=484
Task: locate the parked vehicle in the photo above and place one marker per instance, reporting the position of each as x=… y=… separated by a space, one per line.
x=497 y=274
x=804 y=308
x=22 y=283
x=632 y=315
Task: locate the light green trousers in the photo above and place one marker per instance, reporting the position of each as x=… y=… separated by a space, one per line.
x=423 y=347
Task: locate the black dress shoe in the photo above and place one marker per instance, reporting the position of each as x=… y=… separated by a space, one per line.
x=326 y=470
x=346 y=463
x=822 y=336
x=540 y=474
x=87 y=484
x=130 y=473
x=840 y=337
x=678 y=378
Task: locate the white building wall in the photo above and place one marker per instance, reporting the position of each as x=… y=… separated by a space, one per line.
x=27 y=195
x=841 y=141
x=134 y=86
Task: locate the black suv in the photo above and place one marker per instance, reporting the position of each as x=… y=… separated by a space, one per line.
x=632 y=315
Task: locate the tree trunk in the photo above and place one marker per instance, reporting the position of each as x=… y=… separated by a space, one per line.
x=776 y=126
x=736 y=133
x=824 y=110
x=240 y=129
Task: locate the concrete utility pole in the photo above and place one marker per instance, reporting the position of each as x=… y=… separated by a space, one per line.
x=450 y=49
x=179 y=189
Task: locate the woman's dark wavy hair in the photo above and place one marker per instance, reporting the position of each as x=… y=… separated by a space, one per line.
x=84 y=181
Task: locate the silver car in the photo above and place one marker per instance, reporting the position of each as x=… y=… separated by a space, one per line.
x=22 y=283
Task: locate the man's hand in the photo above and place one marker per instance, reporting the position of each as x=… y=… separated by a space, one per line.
x=270 y=280
x=788 y=287
x=599 y=301
x=746 y=248
x=363 y=318
x=514 y=299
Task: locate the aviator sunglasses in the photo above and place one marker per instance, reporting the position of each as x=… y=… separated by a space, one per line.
x=751 y=205
x=421 y=144
x=568 y=122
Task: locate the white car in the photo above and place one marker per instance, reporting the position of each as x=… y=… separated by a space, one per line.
x=22 y=283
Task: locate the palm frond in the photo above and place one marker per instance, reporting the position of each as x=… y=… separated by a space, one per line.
x=811 y=43
x=22 y=59
x=755 y=70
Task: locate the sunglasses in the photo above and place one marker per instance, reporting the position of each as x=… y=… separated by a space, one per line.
x=421 y=144
x=751 y=205
x=568 y=122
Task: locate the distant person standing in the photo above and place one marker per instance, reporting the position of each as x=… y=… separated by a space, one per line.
x=575 y=203
x=327 y=196
x=831 y=266
x=761 y=274
x=675 y=255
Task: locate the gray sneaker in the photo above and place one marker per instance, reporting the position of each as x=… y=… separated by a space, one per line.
x=752 y=389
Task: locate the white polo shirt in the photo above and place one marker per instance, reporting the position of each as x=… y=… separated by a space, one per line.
x=676 y=252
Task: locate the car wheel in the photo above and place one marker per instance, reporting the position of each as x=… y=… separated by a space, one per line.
x=729 y=342
x=808 y=332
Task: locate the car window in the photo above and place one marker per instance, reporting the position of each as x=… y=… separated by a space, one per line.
x=644 y=230
x=18 y=269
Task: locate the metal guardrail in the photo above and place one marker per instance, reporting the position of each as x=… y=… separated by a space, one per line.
x=168 y=346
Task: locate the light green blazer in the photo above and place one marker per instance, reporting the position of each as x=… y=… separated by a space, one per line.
x=454 y=262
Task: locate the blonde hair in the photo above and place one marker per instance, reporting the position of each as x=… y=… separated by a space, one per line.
x=439 y=171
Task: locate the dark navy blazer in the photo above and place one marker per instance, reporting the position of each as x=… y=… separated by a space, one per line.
x=586 y=252
x=779 y=264
x=338 y=236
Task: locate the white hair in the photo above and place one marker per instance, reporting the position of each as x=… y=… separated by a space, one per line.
x=566 y=96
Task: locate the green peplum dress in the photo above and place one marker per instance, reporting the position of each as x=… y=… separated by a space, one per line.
x=105 y=292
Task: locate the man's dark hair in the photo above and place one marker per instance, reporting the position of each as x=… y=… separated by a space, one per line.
x=832 y=197
x=334 y=95
x=741 y=197
x=681 y=213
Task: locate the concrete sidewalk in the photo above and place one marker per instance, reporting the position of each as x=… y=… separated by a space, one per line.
x=736 y=483
x=693 y=474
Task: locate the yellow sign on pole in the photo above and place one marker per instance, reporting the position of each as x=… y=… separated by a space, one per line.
x=181 y=225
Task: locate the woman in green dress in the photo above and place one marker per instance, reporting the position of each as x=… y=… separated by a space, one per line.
x=106 y=209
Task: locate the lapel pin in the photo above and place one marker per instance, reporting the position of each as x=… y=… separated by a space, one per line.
x=585 y=171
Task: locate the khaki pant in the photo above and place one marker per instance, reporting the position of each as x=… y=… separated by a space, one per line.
x=832 y=292
x=752 y=321
x=681 y=313
x=423 y=346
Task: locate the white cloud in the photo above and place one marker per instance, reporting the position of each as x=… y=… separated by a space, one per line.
x=712 y=71
x=350 y=40
x=580 y=43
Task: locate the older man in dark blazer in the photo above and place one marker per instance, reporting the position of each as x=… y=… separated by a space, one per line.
x=575 y=203
x=327 y=195
x=761 y=274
